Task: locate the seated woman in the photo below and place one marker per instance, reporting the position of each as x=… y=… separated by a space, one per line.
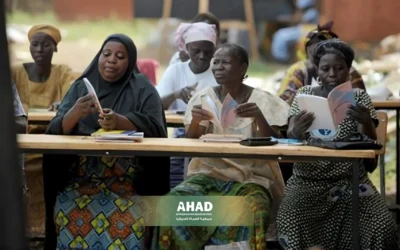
x=181 y=55
x=304 y=73
x=41 y=84
x=100 y=207
x=256 y=116
x=181 y=80
x=316 y=206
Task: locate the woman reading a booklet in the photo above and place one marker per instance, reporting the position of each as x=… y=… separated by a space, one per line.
x=250 y=113
x=316 y=208
x=93 y=201
x=303 y=73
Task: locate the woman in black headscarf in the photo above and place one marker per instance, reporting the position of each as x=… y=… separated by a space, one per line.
x=93 y=202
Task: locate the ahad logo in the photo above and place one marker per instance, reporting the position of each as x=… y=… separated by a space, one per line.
x=195 y=206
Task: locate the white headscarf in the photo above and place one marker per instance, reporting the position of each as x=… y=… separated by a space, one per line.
x=193 y=32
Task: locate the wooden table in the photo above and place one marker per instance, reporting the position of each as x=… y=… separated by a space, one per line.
x=51 y=144
x=40 y=118
x=394 y=105
x=43 y=118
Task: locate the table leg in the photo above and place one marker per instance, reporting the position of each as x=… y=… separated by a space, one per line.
x=397 y=166
x=355 y=205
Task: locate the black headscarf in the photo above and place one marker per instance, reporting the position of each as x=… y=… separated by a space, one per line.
x=132 y=96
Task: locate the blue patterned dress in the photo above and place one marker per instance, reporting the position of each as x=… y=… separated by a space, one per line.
x=100 y=209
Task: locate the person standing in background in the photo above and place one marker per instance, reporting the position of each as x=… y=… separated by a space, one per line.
x=284 y=38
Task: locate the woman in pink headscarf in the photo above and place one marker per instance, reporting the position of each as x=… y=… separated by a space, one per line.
x=181 y=55
x=182 y=80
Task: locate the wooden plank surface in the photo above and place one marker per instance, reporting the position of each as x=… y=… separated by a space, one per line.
x=389 y=104
x=174 y=119
x=47 y=116
x=40 y=116
x=171 y=145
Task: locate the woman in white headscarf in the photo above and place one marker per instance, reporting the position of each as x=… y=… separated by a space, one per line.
x=181 y=55
x=181 y=80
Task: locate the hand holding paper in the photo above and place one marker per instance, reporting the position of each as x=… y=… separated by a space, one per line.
x=199 y=114
x=186 y=93
x=360 y=114
x=84 y=106
x=249 y=110
x=108 y=120
x=302 y=122
x=92 y=92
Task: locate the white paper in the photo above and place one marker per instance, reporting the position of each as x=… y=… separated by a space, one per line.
x=243 y=245
x=208 y=104
x=222 y=138
x=91 y=91
x=320 y=107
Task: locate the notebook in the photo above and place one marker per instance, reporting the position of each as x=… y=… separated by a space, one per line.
x=118 y=135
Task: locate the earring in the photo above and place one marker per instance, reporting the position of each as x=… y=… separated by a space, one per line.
x=319 y=81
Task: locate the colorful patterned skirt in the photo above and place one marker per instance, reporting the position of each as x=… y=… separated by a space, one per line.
x=188 y=238
x=94 y=217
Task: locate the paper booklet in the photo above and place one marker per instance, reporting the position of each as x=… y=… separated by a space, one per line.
x=226 y=117
x=91 y=91
x=118 y=135
x=329 y=112
x=223 y=119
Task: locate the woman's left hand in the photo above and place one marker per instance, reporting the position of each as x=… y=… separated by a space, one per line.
x=108 y=120
x=54 y=106
x=360 y=114
x=249 y=109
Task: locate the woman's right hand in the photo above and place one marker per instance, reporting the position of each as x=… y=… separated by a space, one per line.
x=84 y=106
x=199 y=114
x=186 y=93
x=300 y=123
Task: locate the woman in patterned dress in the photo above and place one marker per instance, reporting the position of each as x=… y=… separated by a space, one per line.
x=316 y=208
x=259 y=181
x=97 y=205
x=303 y=73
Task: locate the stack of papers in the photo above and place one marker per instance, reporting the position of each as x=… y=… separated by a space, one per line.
x=222 y=138
x=118 y=135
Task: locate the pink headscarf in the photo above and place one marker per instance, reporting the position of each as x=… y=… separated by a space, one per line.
x=193 y=32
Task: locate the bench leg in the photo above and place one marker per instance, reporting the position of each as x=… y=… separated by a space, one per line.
x=356 y=204
x=382 y=176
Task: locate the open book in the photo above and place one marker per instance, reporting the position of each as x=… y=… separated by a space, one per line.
x=118 y=135
x=329 y=112
x=226 y=117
